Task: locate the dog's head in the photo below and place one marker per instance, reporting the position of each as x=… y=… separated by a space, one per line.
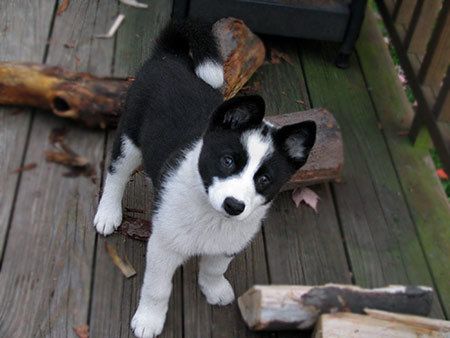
x=244 y=161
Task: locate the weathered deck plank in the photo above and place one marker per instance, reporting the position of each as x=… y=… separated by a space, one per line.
x=429 y=207
x=47 y=269
x=114 y=297
x=24 y=29
x=46 y=275
x=302 y=247
x=380 y=235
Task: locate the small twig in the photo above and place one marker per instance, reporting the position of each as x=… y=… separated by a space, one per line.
x=124 y=266
x=26 y=167
x=115 y=26
x=134 y=3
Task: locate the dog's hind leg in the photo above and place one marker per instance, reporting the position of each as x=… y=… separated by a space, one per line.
x=126 y=157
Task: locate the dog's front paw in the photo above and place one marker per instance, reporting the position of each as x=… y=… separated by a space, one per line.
x=147 y=324
x=107 y=219
x=217 y=290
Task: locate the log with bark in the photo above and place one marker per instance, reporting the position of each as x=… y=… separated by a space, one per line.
x=289 y=307
x=379 y=324
x=96 y=101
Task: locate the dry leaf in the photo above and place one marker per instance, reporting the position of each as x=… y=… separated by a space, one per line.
x=82 y=331
x=77 y=164
x=139 y=211
x=135 y=228
x=115 y=26
x=253 y=88
x=66 y=158
x=62 y=7
x=57 y=135
x=276 y=56
x=126 y=268
x=26 y=167
x=134 y=3
x=307 y=196
x=442 y=174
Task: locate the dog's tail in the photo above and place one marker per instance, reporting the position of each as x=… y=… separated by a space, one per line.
x=196 y=40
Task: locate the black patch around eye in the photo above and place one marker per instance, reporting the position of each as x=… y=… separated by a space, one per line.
x=279 y=170
x=227 y=161
x=216 y=145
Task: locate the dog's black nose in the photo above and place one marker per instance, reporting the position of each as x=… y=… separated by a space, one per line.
x=233 y=207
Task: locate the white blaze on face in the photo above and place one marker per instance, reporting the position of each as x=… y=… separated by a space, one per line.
x=241 y=186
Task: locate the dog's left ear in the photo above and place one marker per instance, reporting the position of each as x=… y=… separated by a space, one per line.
x=296 y=141
x=238 y=113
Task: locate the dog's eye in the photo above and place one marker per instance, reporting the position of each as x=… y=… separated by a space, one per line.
x=263 y=181
x=227 y=161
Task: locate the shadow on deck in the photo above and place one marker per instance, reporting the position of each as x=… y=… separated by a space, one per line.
x=386 y=222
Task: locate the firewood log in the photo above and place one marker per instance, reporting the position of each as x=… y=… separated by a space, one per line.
x=289 y=307
x=428 y=323
x=96 y=101
x=344 y=325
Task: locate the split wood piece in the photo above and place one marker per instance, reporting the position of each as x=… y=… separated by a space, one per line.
x=326 y=159
x=96 y=101
x=428 y=323
x=288 y=307
x=344 y=325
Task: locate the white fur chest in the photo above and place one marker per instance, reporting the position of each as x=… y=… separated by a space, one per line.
x=187 y=223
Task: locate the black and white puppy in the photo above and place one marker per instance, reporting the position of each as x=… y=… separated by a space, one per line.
x=215 y=166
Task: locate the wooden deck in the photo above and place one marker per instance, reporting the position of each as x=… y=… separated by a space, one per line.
x=386 y=222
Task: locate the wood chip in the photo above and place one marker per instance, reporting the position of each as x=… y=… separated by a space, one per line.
x=115 y=26
x=62 y=6
x=26 y=167
x=82 y=331
x=134 y=3
x=124 y=266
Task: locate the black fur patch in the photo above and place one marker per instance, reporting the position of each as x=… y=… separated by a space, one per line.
x=167 y=106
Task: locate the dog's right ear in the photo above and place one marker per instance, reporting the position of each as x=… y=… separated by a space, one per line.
x=238 y=113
